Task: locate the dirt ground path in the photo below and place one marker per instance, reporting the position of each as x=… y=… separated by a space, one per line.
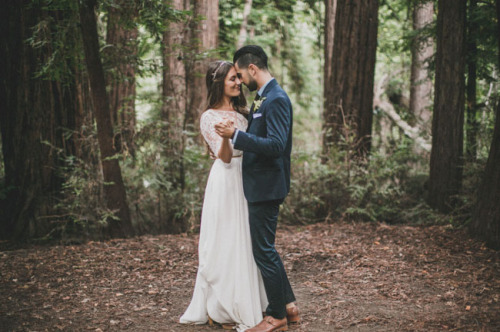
x=347 y=277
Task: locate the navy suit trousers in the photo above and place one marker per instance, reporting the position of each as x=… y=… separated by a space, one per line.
x=263 y=221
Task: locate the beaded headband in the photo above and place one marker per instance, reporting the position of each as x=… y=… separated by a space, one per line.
x=217 y=69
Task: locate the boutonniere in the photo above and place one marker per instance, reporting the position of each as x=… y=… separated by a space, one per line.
x=257 y=104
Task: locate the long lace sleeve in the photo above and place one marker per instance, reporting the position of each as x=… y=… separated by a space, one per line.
x=207 y=126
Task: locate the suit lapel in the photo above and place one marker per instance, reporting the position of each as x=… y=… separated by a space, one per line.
x=250 y=116
x=268 y=88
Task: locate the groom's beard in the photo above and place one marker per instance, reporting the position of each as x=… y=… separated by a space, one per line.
x=252 y=85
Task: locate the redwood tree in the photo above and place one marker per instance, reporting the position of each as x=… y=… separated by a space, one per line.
x=121 y=53
x=36 y=108
x=114 y=189
x=203 y=40
x=330 y=6
x=472 y=127
x=174 y=108
x=448 y=117
x=421 y=51
x=486 y=219
x=349 y=92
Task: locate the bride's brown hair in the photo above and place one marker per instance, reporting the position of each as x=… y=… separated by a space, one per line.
x=216 y=75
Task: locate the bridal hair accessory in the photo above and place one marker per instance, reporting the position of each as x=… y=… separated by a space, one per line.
x=217 y=69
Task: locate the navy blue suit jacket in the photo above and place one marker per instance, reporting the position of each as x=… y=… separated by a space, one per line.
x=266 y=147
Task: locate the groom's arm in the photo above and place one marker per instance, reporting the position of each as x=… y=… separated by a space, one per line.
x=278 y=127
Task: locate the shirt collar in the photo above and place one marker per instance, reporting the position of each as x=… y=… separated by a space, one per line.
x=261 y=90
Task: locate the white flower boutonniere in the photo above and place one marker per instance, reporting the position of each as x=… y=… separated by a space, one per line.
x=257 y=104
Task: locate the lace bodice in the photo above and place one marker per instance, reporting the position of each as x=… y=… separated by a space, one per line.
x=207 y=126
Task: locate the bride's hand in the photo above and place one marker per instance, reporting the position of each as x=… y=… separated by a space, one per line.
x=225 y=129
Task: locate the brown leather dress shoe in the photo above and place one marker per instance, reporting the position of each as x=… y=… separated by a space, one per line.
x=292 y=315
x=270 y=324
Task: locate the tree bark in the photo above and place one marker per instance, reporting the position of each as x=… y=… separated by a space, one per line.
x=472 y=127
x=330 y=7
x=486 y=218
x=349 y=92
x=114 y=189
x=174 y=109
x=121 y=51
x=242 y=37
x=421 y=51
x=448 y=118
x=35 y=111
x=205 y=38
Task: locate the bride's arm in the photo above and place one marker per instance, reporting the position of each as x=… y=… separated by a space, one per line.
x=225 y=151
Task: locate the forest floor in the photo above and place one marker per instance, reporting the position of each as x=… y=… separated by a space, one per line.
x=346 y=276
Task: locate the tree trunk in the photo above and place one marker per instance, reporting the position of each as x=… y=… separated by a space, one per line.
x=242 y=37
x=472 y=127
x=174 y=109
x=114 y=189
x=204 y=37
x=330 y=7
x=121 y=51
x=448 y=118
x=35 y=111
x=349 y=92
x=486 y=219
x=421 y=51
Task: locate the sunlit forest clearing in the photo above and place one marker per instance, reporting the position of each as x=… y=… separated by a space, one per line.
x=393 y=219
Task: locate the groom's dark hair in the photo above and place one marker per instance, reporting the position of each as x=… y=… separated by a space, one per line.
x=250 y=54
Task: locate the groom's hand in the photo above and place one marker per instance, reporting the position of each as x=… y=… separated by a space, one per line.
x=225 y=129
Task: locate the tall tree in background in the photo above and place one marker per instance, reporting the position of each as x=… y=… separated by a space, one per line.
x=114 y=189
x=242 y=36
x=121 y=53
x=421 y=50
x=37 y=106
x=448 y=118
x=203 y=39
x=486 y=219
x=174 y=105
x=472 y=127
x=350 y=89
x=330 y=6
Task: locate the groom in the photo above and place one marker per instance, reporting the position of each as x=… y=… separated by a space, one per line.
x=267 y=144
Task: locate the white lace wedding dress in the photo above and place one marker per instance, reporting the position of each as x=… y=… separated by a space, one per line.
x=229 y=286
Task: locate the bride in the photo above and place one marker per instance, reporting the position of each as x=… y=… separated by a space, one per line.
x=229 y=288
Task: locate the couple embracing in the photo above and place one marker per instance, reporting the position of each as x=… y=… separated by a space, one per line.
x=241 y=281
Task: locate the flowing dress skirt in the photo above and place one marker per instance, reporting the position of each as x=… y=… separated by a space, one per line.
x=229 y=286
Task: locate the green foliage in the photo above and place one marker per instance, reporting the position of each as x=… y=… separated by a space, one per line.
x=82 y=210
x=395 y=34
x=486 y=37
x=386 y=188
x=466 y=200
x=274 y=26
x=165 y=189
x=57 y=35
x=155 y=15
